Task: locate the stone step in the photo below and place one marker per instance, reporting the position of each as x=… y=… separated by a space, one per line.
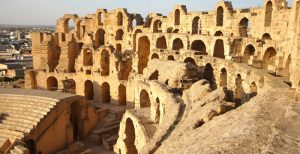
x=27 y=105
x=15 y=127
x=21 y=119
x=11 y=110
x=20 y=124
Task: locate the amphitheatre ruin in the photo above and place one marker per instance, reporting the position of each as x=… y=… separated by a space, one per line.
x=222 y=81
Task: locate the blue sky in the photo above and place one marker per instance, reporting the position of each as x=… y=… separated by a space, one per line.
x=46 y=12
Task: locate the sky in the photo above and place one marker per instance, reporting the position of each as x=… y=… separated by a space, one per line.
x=46 y=12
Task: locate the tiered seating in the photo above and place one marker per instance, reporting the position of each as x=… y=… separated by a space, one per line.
x=20 y=114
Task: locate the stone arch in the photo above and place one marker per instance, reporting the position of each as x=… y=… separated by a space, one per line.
x=105 y=92
x=177 y=17
x=269 y=57
x=154 y=56
x=87 y=57
x=120 y=19
x=88 y=90
x=266 y=36
x=69 y=86
x=157 y=26
x=218 y=33
x=52 y=84
x=268 y=14
x=118 y=48
x=170 y=30
x=104 y=62
x=223 y=77
x=171 y=58
x=154 y=75
x=177 y=44
x=190 y=60
x=134 y=38
x=220 y=16
x=243 y=27
x=161 y=43
x=99 y=38
x=143 y=53
x=249 y=51
x=219 y=49
x=130 y=137
x=198 y=45
x=144 y=99
x=209 y=75
x=196 y=25
x=119 y=34
x=122 y=95
x=69 y=24
x=176 y=31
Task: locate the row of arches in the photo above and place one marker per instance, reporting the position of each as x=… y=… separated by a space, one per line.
x=52 y=85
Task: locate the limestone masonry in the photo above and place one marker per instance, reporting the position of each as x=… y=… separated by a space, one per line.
x=223 y=81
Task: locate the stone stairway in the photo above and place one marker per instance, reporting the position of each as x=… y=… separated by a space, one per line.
x=20 y=114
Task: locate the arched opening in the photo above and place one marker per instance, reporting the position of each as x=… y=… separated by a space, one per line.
x=120 y=19
x=157 y=26
x=239 y=90
x=134 y=39
x=31 y=145
x=69 y=25
x=119 y=48
x=161 y=43
x=143 y=53
x=89 y=90
x=209 y=75
x=101 y=18
x=199 y=45
x=155 y=56
x=253 y=90
x=69 y=86
x=268 y=14
x=100 y=38
x=52 y=84
x=144 y=99
x=177 y=17
x=190 y=61
x=87 y=58
x=219 y=49
x=266 y=36
x=74 y=119
x=119 y=34
x=220 y=16
x=122 y=95
x=154 y=75
x=223 y=77
x=105 y=93
x=196 y=25
x=269 y=57
x=133 y=23
x=249 y=51
x=170 y=30
x=177 y=44
x=104 y=63
x=176 y=31
x=157 y=110
x=130 y=137
x=243 y=27
x=218 y=33
x=171 y=58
